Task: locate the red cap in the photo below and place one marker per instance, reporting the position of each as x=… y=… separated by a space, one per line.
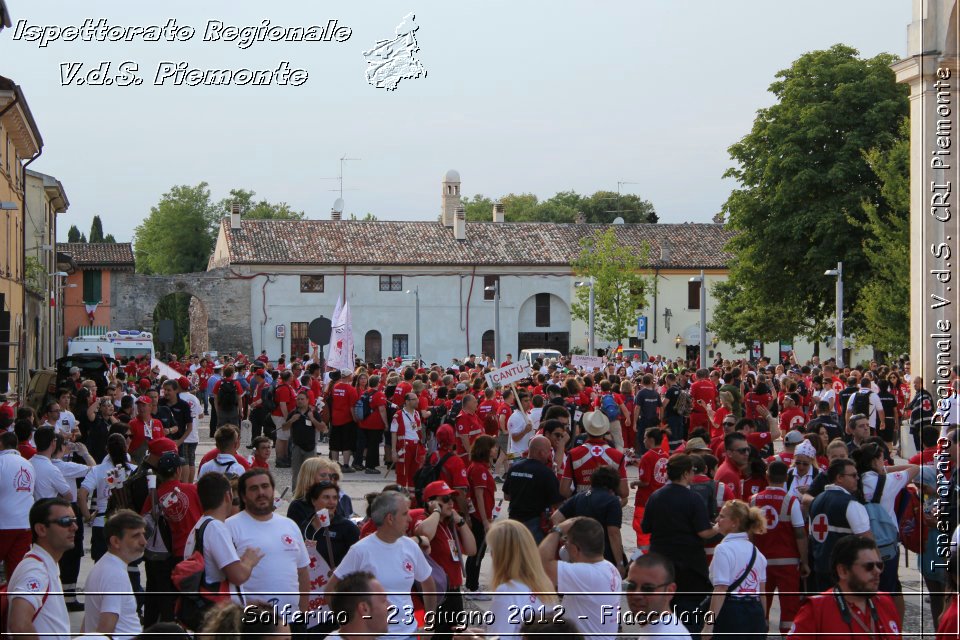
x=438 y=488
x=144 y=383
x=445 y=435
x=144 y=400
x=183 y=382
x=160 y=446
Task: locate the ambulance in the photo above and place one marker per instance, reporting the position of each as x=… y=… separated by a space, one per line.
x=123 y=344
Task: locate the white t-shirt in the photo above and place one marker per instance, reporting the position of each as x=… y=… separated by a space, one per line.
x=218 y=549
x=196 y=410
x=875 y=406
x=224 y=463
x=671 y=628
x=827 y=394
x=601 y=578
x=284 y=553
x=108 y=577
x=856 y=513
x=17 y=480
x=30 y=581
x=70 y=472
x=66 y=423
x=396 y=565
x=895 y=482
x=511 y=602
x=102 y=479
x=515 y=425
x=50 y=482
x=730 y=560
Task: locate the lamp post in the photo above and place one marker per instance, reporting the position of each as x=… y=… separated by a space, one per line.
x=416 y=293
x=702 y=279
x=591 y=346
x=495 y=288
x=838 y=272
x=59 y=285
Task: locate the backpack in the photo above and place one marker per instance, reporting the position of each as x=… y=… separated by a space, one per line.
x=707 y=491
x=5 y=599
x=684 y=404
x=437 y=415
x=609 y=407
x=454 y=412
x=227 y=396
x=913 y=523
x=197 y=596
x=362 y=409
x=886 y=533
x=267 y=398
x=121 y=496
x=861 y=403
x=428 y=473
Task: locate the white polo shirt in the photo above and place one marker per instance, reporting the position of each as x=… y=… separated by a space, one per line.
x=730 y=561
x=108 y=590
x=50 y=481
x=196 y=410
x=102 y=479
x=71 y=471
x=224 y=463
x=218 y=549
x=37 y=580
x=515 y=425
x=17 y=481
x=589 y=588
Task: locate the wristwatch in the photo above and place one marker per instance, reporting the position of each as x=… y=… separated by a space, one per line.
x=556 y=530
x=461 y=523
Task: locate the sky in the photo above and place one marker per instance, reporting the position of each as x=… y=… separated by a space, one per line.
x=531 y=97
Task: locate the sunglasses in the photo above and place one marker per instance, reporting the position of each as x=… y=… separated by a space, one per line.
x=66 y=522
x=872 y=566
x=445 y=499
x=630 y=587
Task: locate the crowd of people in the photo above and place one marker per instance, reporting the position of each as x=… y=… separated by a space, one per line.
x=754 y=481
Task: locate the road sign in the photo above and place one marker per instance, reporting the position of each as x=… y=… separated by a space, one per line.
x=281 y=330
x=642 y=327
x=319 y=331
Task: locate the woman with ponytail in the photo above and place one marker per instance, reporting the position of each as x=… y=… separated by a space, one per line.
x=738 y=573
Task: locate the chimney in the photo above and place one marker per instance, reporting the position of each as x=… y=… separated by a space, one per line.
x=449 y=197
x=498 y=211
x=665 y=250
x=460 y=224
x=336 y=211
x=235 y=215
x=334 y=214
x=581 y=218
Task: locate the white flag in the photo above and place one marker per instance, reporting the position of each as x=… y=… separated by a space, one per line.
x=341 y=341
x=334 y=321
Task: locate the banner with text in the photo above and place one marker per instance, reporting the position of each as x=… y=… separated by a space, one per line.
x=508 y=374
x=587 y=362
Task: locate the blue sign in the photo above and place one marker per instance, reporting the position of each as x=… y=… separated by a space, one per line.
x=642 y=327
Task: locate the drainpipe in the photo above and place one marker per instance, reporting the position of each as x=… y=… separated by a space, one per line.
x=656 y=290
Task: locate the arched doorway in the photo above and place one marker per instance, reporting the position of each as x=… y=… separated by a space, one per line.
x=180 y=325
x=373 y=347
x=543 y=323
x=488 y=343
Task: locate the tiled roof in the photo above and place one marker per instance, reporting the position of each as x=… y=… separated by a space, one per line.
x=99 y=254
x=354 y=242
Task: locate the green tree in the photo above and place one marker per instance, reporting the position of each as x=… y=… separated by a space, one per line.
x=367 y=217
x=109 y=239
x=257 y=210
x=179 y=234
x=96 y=230
x=604 y=206
x=601 y=208
x=884 y=303
x=83 y=237
x=803 y=177
x=73 y=234
x=620 y=290
x=477 y=209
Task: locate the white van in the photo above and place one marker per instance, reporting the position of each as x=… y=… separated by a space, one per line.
x=125 y=344
x=529 y=355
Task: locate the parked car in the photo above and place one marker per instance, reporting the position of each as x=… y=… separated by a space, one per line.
x=629 y=353
x=530 y=355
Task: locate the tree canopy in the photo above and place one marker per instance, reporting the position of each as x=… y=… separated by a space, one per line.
x=602 y=207
x=178 y=235
x=803 y=178
x=620 y=290
x=257 y=210
x=73 y=234
x=96 y=230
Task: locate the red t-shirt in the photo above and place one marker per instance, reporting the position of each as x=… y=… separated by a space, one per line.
x=400 y=392
x=344 y=397
x=703 y=390
x=924 y=456
x=469 y=425
x=181 y=509
x=140 y=432
x=453 y=472
x=820 y=617
x=256 y=464
x=653 y=470
x=947 y=629
x=791 y=419
x=730 y=476
x=236 y=383
x=284 y=394
x=753 y=400
x=443 y=548
x=374 y=421
x=26 y=450
x=213 y=453
x=478 y=475
x=486 y=409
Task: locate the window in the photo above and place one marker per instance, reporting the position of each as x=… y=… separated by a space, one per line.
x=299 y=343
x=391 y=283
x=693 y=295
x=311 y=284
x=543 y=309
x=490 y=281
x=488 y=343
x=92 y=286
x=401 y=345
x=372 y=347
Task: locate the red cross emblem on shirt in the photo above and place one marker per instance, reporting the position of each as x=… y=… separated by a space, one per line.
x=596 y=450
x=287 y=540
x=408 y=566
x=33 y=585
x=819 y=527
x=773 y=518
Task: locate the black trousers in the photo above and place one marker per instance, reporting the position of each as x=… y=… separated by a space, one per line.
x=260 y=423
x=473 y=562
x=70 y=560
x=447 y=615
x=369 y=441
x=159 y=599
x=741 y=617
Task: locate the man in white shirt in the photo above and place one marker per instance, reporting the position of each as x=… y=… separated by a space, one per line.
x=50 y=480
x=17 y=480
x=520 y=427
x=110 y=607
x=227 y=440
x=650 y=586
x=587 y=573
x=394 y=559
x=34 y=590
x=188 y=446
x=867 y=402
x=283 y=573
x=68 y=424
x=362 y=602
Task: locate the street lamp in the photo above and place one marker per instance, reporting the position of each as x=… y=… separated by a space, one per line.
x=495 y=288
x=702 y=279
x=416 y=293
x=838 y=272
x=591 y=345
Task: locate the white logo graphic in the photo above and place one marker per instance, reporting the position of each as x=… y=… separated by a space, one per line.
x=391 y=61
x=660 y=471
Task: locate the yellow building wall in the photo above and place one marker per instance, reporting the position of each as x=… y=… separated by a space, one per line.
x=11 y=250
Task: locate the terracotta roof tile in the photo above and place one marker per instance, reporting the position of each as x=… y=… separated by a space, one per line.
x=99 y=254
x=354 y=242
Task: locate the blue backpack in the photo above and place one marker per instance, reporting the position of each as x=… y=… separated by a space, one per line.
x=609 y=407
x=886 y=532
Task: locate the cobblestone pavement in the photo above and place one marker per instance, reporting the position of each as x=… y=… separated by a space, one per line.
x=358 y=484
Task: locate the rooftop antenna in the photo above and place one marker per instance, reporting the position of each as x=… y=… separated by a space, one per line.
x=343 y=159
x=620 y=184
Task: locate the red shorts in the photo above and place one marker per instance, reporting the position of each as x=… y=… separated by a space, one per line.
x=785 y=579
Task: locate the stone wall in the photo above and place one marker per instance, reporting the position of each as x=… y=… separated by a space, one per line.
x=225 y=301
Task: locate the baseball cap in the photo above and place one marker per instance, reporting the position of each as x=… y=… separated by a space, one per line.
x=344 y=373
x=445 y=435
x=438 y=488
x=161 y=446
x=144 y=400
x=183 y=382
x=794 y=437
x=169 y=461
x=462 y=388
